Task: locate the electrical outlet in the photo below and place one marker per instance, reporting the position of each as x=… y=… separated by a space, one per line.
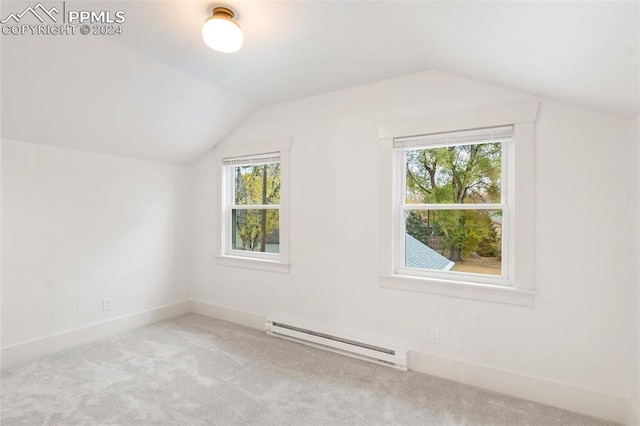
x=435 y=335
x=106 y=303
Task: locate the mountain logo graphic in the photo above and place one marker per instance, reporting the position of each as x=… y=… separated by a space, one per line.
x=39 y=11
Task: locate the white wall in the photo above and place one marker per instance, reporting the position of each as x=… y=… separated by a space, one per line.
x=577 y=333
x=78 y=227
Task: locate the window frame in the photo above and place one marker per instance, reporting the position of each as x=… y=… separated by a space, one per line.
x=505 y=205
x=229 y=205
x=518 y=287
x=225 y=254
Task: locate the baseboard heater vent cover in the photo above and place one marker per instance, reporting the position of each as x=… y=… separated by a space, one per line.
x=389 y=356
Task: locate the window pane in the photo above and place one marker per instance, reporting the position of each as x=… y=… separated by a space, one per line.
x=257 y=184
x=454 y=240
x=255 y=230
x=460 y=174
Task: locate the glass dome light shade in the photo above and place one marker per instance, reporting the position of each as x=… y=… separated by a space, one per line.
x=221 y=33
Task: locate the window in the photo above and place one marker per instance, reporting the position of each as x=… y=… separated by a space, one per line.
x=452 y=205
x=252 y=213
x=254 y=206
x=456 y=193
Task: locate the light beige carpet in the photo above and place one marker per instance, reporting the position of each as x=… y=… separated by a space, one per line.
x=195 y=370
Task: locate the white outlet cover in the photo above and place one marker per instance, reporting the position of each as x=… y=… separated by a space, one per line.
x=106 y=304
x=435 y=335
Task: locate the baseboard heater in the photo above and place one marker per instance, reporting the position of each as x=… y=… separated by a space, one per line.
x=391 y=357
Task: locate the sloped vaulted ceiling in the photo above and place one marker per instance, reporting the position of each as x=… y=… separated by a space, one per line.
x=157 y=92
x=95 y=95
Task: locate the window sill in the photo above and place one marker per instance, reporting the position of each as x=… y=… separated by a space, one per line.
x=253 y=263
x=492 y=293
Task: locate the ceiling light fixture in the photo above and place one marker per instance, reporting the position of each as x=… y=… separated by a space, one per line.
x=220 y=32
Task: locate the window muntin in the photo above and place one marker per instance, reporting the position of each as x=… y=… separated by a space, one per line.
x=452 y=205
x=252 y=211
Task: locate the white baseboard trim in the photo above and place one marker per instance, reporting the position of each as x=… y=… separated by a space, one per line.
x=592 y=403
x=597 y=404
x=235 y=316
x=35 y=348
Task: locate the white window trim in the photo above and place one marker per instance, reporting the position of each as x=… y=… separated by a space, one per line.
x=522 y=117
x=250 y=260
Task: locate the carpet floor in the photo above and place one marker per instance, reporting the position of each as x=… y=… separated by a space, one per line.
x=194 y=370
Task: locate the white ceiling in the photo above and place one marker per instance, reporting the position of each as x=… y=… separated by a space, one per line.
x=159 y=93
x=93 y=95
x=580 y=52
